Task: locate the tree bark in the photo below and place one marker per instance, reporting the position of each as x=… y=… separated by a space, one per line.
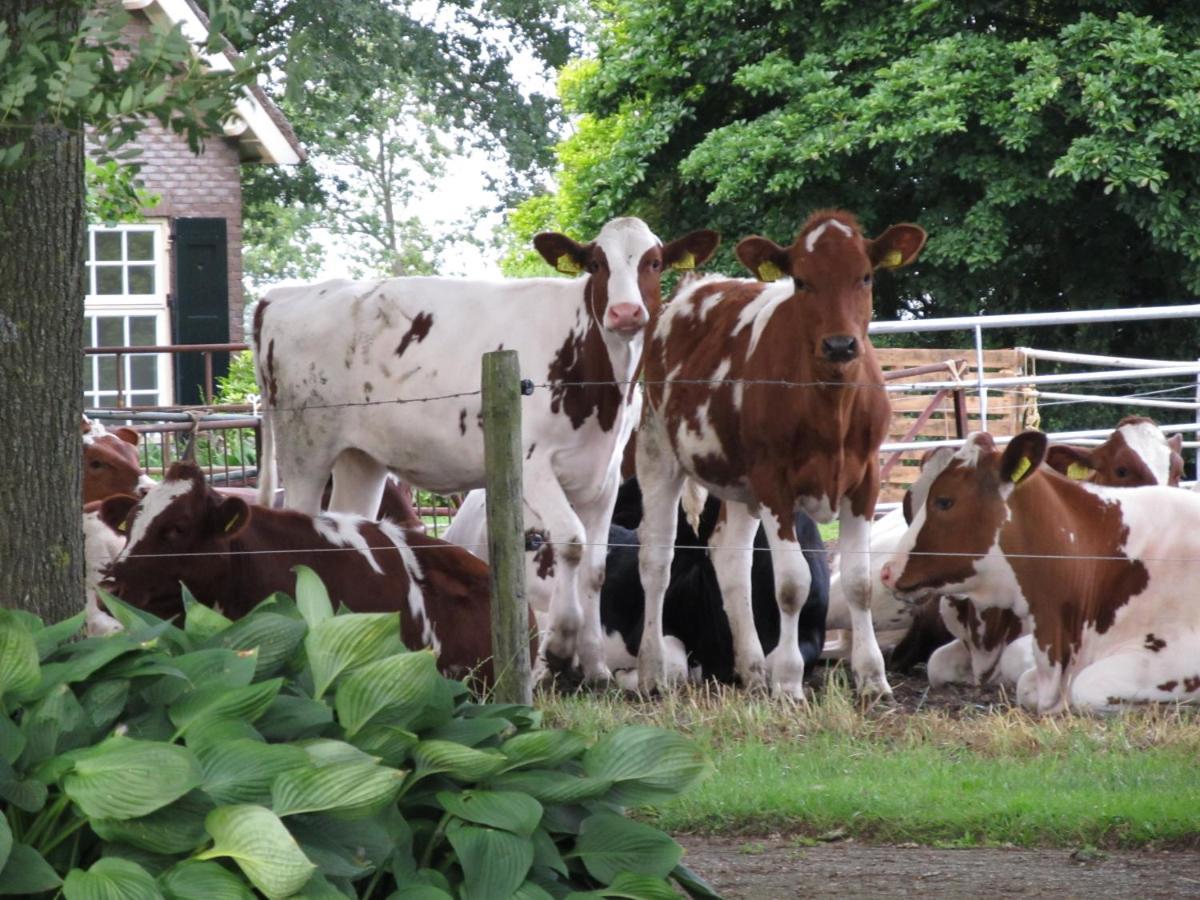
x=41 y=377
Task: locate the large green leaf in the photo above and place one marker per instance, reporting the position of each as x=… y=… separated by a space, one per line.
x=19 y=670
x=628 y=886
x=261 y=845
x=193 y=879
x=28 y=794
x=290 y=717
x=553 y=785
x=210 y=668
x=214 y=732
x=697 y=888
x=471 y=732
x=52 y=726
x=49 y=638
x=12 y=741
x=274 y=636
x=26 y=873
x=339 y=644
x=350 y=789
x=459 y=762
x=646 y=764
x=494 y=863
x=123 y=778
x=392 y=745
x=201 y=622
x=507 y=810
x=312 y=599
x=246 y=703
x=111 y=879
x=531 y=890
x=176 y=828
x=344 y=848
x=543 y=748
x=546 y=853
x=610 y=844
x=104 y=701
x=6 y=842
x=241 y=771
x=402 y=685
x=328 y=752
x=419 y=892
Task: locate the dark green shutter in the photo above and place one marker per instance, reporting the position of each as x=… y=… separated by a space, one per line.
x=201 y=302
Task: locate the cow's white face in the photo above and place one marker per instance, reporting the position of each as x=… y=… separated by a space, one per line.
x=626 y=266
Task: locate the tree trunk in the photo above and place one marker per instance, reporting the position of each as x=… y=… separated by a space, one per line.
x=41 y=376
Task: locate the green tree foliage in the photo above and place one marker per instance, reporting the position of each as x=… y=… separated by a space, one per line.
x=1049 y=148
x=409 y=77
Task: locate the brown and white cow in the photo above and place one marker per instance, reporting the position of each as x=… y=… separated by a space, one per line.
x=770 y=395
x=1106 y=575
x=340 y=365
x=992 y=645
x=233 y=555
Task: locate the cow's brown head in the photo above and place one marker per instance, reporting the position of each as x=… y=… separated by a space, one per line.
x=957 y=527
x=110 y=462
x=180 y=531
x=1136 y=454
x=624 y=265
x=832 y=267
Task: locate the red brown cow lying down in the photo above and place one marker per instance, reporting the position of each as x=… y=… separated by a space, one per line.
x=993 y=646
x=233 y=555
x=1109 y=589
x=110 y=462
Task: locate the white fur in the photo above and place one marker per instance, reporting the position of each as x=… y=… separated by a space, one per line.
x=152 y=506
x=810 y=239
x=1148 y=442
x=101 y=545
x=416 y=598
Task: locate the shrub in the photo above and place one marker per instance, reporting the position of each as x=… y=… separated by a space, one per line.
x=299 y=752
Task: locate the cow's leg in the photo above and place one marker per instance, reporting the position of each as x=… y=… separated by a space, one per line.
x=854 y=546
x=303 y=469
x=549 y=513
x=661 y=480
x=950 y=664
x=731 y=548
x=596 y=517
x=358 y=481
x=1015 y=661
x=792 y=581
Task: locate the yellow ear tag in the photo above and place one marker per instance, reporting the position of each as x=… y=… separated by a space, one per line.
x=121 y=527
x=229 y=525
x=768 y=271
x=1080 y=472
x=567 y=265
x=685 y=262
x=893 y=259
x=1022 y=467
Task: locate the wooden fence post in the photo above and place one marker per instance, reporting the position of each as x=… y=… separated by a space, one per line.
x=506 y=526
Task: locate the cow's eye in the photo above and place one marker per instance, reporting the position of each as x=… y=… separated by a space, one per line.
x=656 y=264
x=943 y=503
x=1122 y=472
x=867 y=278
x=801 y=285
x=96 y=464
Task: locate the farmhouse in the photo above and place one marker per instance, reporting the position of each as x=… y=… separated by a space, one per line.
x=175 y=277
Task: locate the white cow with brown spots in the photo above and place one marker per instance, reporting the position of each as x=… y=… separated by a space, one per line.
x=770 y=395
x=1106 y=575
x=347 y=369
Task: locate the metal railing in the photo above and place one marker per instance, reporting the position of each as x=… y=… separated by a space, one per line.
x=206 y=350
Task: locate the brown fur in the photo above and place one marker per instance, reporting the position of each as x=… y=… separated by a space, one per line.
x=111 y=465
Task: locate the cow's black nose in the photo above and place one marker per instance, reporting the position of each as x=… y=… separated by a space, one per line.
x=840 y=348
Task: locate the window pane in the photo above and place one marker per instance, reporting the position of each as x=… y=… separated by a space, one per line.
x=87 y=373
x=106 y=401
x=141 y=279
x=144 y=398
x=108 y=245
x=111 y=331
x=143 y=372
x=108 y=373
x=108 y=280
x=140 y=244
x=141 y=331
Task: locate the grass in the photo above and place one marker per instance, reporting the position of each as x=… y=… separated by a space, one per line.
x=935 y=777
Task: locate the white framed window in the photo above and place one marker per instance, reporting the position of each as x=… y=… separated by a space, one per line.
x=126 y=306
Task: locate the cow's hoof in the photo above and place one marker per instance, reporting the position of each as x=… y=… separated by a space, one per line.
x=558 y=663
x=599 y=677
x=753 y=677
x=874 y=689
x=787 y=677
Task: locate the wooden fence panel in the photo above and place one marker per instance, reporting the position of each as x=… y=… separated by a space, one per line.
x=1009 y=409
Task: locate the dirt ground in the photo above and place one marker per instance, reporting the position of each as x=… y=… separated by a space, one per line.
x=775 y=868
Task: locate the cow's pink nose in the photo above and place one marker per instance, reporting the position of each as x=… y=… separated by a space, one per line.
x=885 y=574
x=626 y=317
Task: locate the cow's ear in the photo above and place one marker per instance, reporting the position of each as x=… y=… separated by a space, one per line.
x=1022 y=457
x=114 y=511
x=1074 y=462
x=568 y=256
x=765 y=258
x=128 y=435
x=896 y=247
x=230 y=516
x=691 y=250
x=1175 y=442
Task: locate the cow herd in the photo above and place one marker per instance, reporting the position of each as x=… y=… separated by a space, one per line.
x=758 y=403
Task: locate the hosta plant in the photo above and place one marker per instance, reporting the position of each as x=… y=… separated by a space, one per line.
x=299 y=752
